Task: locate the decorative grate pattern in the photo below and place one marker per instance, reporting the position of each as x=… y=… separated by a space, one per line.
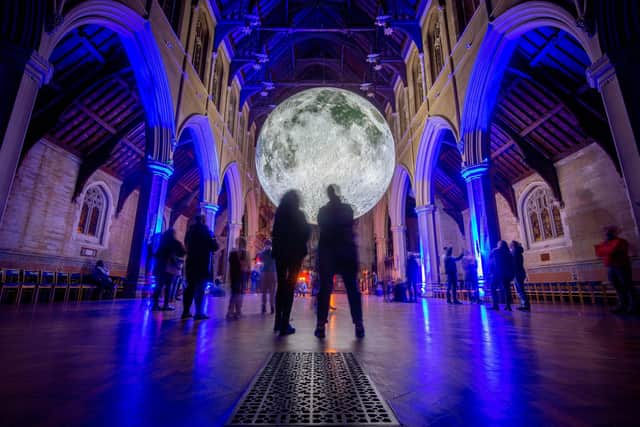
x=322 y=389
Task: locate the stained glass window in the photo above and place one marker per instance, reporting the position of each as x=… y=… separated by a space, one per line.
x=435 y=47
x=171 y=9
x=93 y=213
x=543 y=213
x=200 y=47
x=417 y=83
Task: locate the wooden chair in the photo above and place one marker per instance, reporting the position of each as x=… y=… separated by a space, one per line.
x=11 y=282
x=47 y=283
x=62 y=283
x=30 y=281
x=75 y=283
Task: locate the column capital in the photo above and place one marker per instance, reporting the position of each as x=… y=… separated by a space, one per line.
x=210 y=207
x=160 y=169
x=234 y=226
x=426 y=209
x=398 y=228
x=469 y=173
x=38 y=69
x=600 y=73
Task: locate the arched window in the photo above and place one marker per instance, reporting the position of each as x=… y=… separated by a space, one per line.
x=542 y=216
x=218 y=75
x=200 y=47
x=172 y=11
x=465 y=11
x=232 y=111
x=93 y=213
x=435 y=44
x=401 y=108
x=416 y=73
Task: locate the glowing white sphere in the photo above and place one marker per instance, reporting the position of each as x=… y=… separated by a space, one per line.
x=326 y=136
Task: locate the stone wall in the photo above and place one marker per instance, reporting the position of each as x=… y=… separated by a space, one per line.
x=38 y=229
x=594 y=196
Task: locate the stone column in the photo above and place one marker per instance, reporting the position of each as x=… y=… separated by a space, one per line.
x=27 y=72
x=399 y=251
x=149 y=222
x=429 y=244
x=602 y=76
x=381 y=253
x=209 y=211
x=485 y=230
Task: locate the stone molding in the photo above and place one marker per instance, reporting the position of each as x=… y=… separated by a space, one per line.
x=601 y=73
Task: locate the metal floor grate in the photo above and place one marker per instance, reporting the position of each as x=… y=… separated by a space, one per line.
x=319 y=389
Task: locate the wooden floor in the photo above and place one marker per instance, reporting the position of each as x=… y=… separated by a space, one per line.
x=117 y=364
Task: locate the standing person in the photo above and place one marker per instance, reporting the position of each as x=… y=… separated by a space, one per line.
x=200 y=245
x=501 y=265
x=289 y=236
x=519 y=275
x=451 y=270
x=614 y=252
x=470 y=268
x=168 y=264
x=268 y=276
x=337 y=254
x=238 y=272
x=413 y=277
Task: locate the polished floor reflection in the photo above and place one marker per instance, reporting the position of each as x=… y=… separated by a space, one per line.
x=118 y=364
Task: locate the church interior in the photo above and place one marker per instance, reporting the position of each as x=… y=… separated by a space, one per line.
x=512 y=120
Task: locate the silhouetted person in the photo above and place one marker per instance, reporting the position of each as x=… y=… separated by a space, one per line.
x=168 y=264
x=470 y=268
x=501 y=266
x=614 y=252
x=289 y=236
x=200 y=245
x=268 y=277
x=337 y=254
x=451 y=270
x=238 y=272
x=413 y=277
x=519 y=275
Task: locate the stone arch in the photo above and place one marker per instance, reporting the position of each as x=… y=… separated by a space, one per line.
x=427 y=157
x=206 y=150
x=397 y=201
x=236 y=203
x=145 y=58
x=494 y=55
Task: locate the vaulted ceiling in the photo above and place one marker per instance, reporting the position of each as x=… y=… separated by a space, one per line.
x=544 y=112
x=294 y=45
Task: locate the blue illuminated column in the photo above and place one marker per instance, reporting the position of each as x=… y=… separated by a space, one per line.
x=428 y=245
x=485 y=230
x=399 y=251
x=149 y=220
x=209 y=211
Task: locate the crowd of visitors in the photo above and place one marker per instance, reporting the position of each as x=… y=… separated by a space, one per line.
x=280 y=262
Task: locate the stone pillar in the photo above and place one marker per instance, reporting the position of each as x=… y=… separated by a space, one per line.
x=149 y=222
x=27 y=72
x=399 y=251
x=429 y=244
x=485 y=230
x=209 y=211
x=381 y=253
x=602 y=76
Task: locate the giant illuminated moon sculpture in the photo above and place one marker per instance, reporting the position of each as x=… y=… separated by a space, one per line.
x=326 y=136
